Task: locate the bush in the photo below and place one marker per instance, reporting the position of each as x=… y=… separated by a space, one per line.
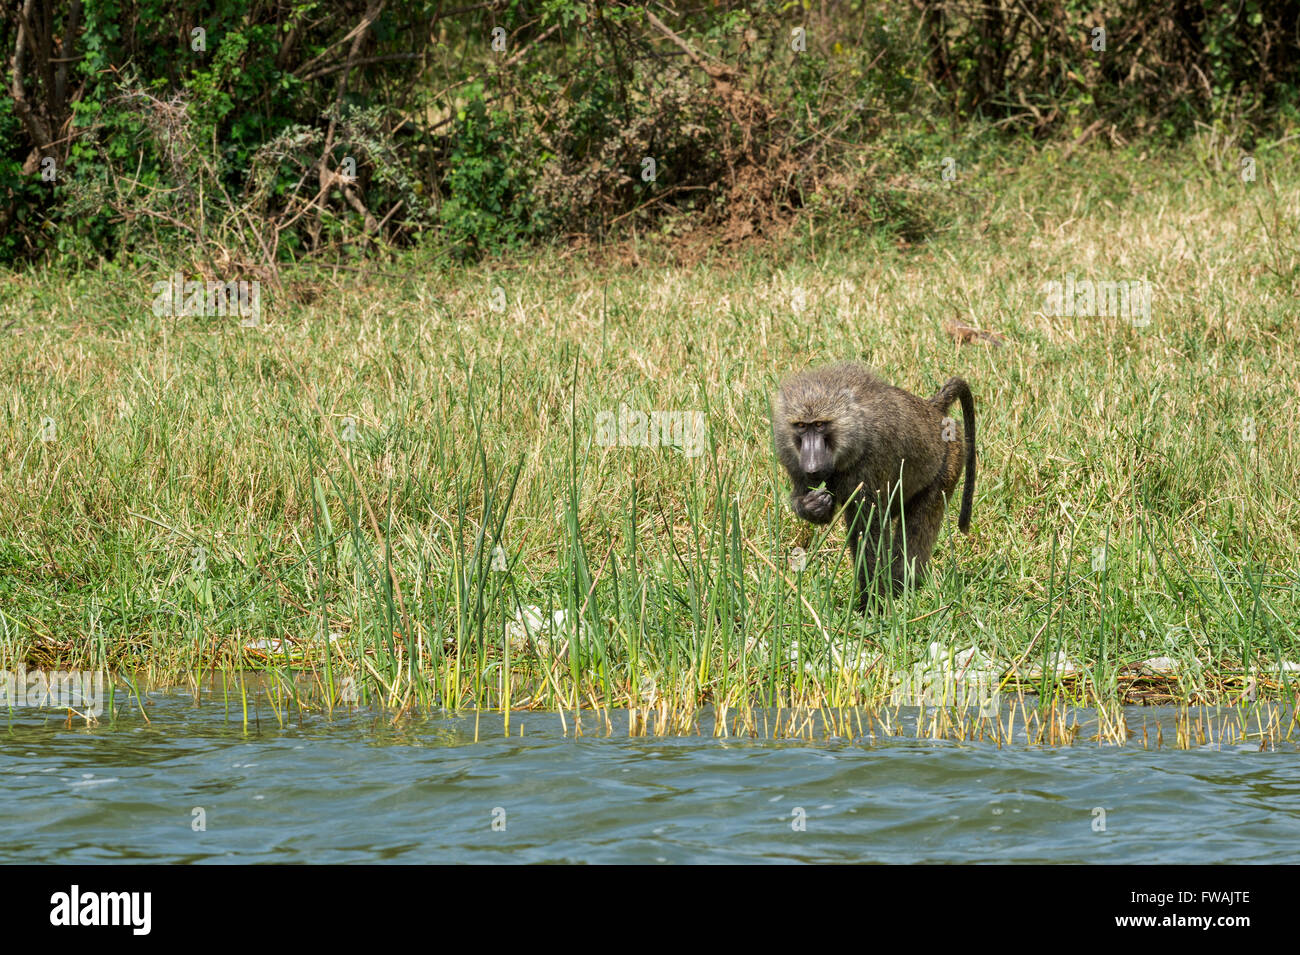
x=322 y=130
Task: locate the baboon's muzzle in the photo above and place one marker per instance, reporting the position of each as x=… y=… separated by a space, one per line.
x=815 y=458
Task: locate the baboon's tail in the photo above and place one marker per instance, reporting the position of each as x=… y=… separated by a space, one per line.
x=956 y=388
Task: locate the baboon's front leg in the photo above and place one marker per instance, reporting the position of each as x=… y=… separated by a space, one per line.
x=869 y=544
x=922 y=517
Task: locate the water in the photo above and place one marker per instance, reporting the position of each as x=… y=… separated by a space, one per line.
x=354 y=788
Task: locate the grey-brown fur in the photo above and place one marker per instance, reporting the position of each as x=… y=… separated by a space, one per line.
x=859 y=434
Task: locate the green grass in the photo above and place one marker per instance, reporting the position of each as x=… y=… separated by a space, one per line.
x=199 y=496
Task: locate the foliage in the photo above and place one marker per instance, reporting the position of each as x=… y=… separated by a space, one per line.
x=509 y=121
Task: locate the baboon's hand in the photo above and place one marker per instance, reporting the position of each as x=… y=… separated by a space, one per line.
x=815 y=506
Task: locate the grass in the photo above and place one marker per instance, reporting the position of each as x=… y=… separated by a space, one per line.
x=336 y=490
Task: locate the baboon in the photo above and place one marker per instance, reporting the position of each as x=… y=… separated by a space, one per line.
x=888 y=458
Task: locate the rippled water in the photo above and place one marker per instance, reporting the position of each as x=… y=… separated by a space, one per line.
x=356 y=789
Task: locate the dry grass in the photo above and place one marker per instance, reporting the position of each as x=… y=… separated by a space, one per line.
x=199 y=499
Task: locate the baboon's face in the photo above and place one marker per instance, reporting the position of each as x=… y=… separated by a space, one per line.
x=815 y=442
